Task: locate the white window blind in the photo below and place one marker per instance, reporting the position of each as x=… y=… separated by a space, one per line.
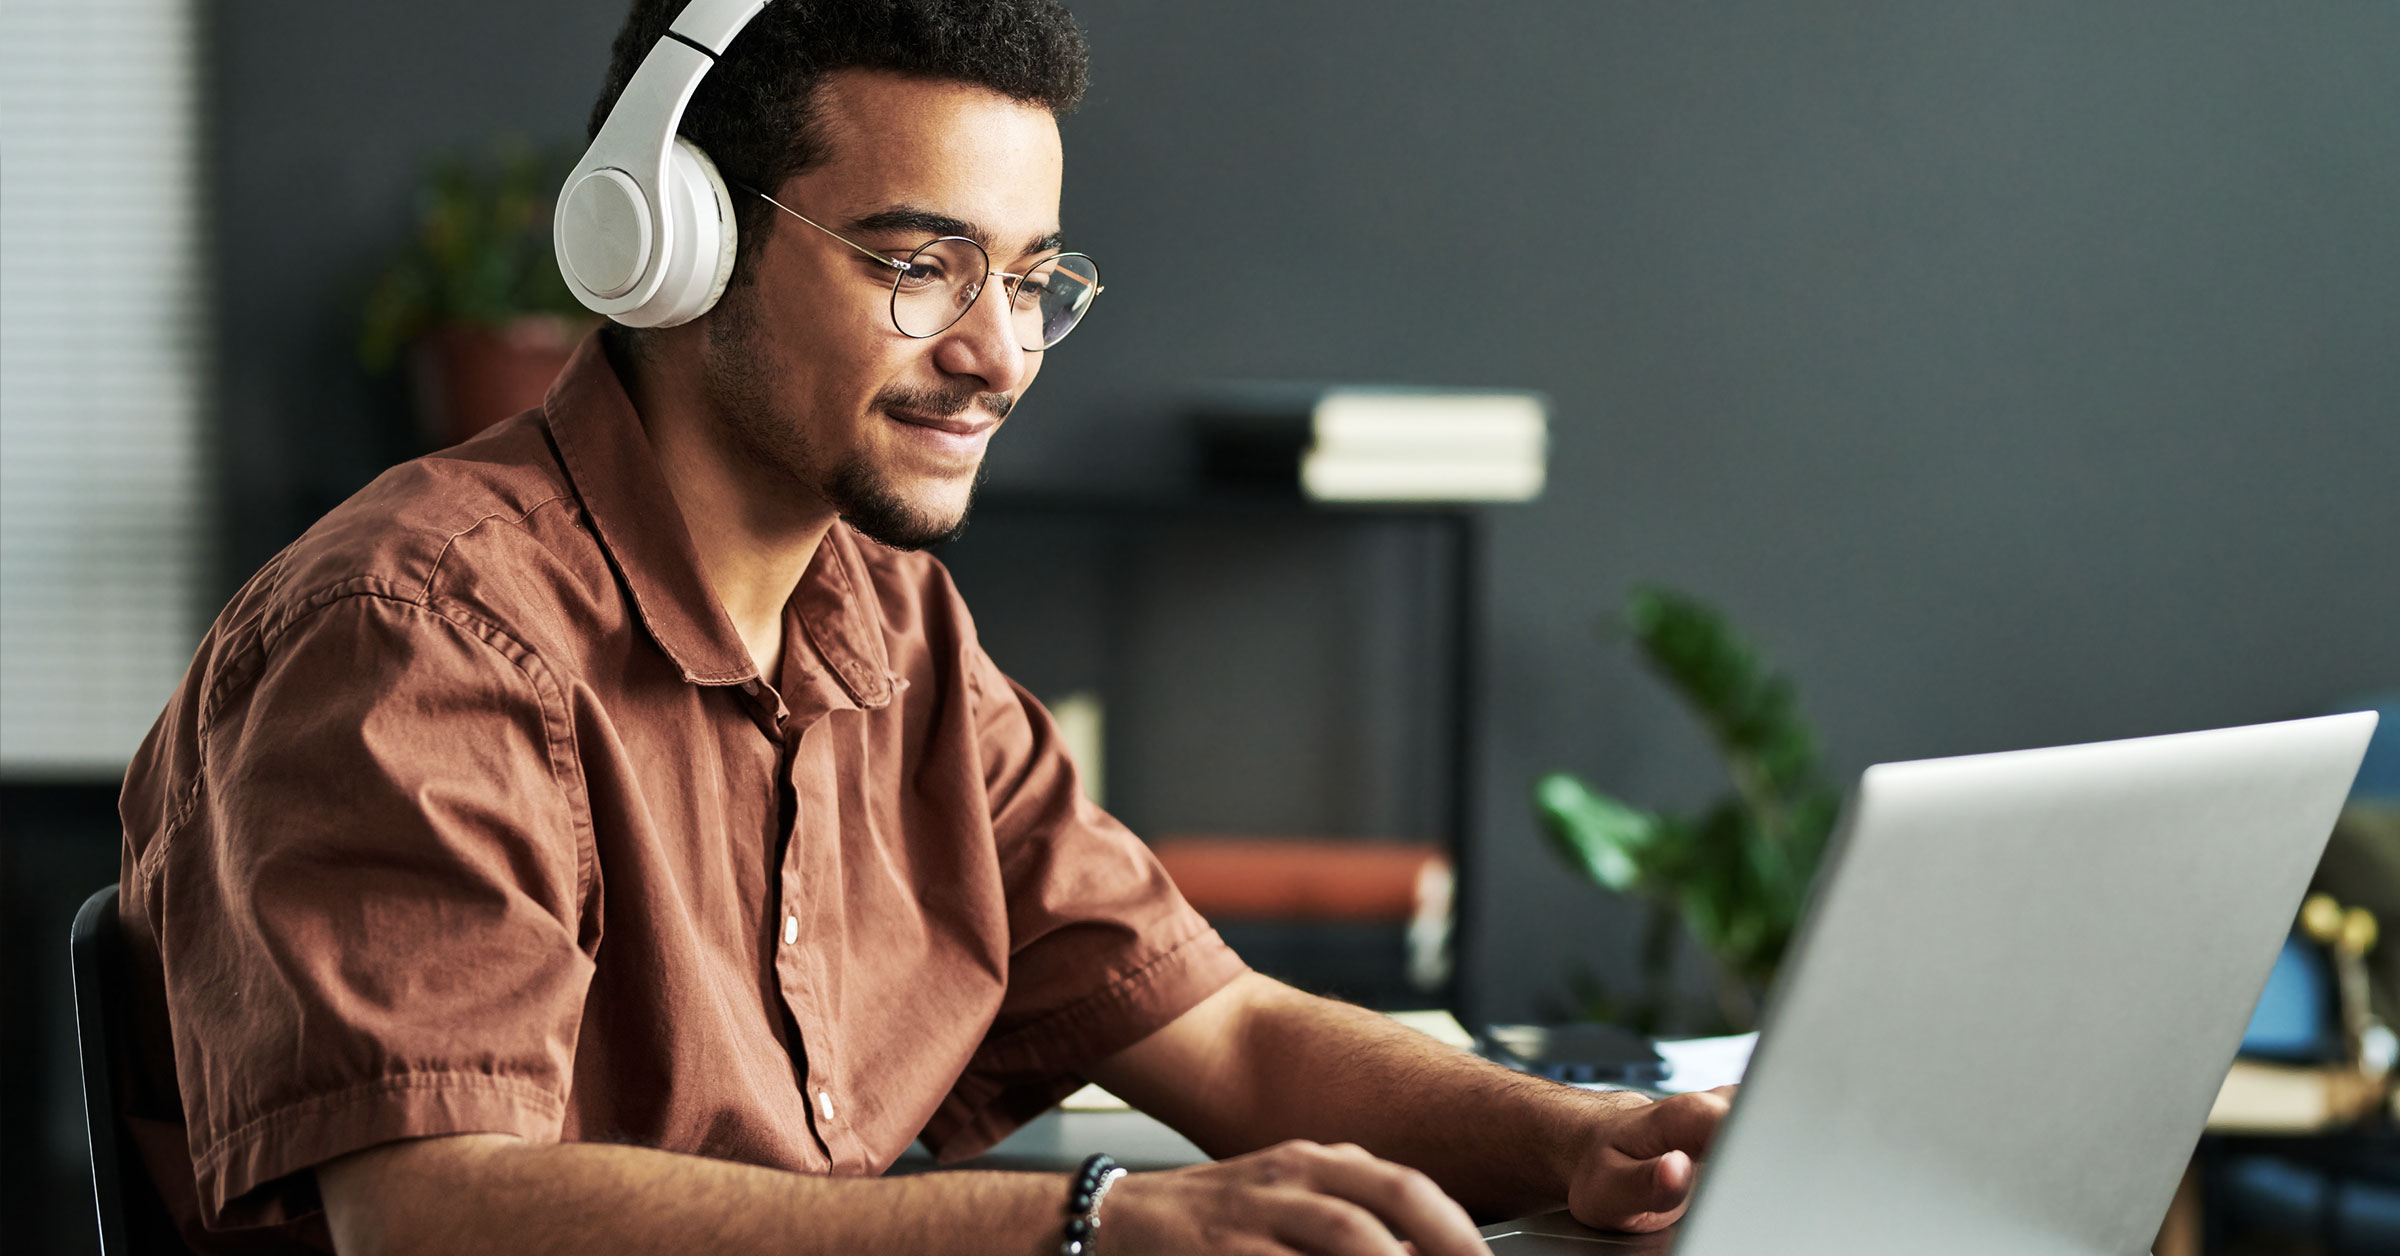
x=101 y=380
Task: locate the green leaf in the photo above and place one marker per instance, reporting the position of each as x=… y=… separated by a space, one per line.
x=481 y=253
x=1738 y=873
x=1750 y=711
x=1605 y=838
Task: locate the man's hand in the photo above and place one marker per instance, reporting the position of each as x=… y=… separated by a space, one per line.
x=1259 y=1062
x=1294 y=1197
x=1638 y=1170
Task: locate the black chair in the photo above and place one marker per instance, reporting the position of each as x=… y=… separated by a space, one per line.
x=132 y=1219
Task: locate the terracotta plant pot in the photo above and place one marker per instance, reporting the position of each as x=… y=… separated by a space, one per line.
x=469 y=377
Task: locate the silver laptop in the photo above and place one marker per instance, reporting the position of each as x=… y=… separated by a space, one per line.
x=2012 y=1001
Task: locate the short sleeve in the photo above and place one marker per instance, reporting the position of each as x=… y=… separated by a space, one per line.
x=1103 y=949
x=375 y=920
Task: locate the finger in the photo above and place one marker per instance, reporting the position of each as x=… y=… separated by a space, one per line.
x=1686 y=1123
x=1401 y=1198
x=1640 y=1196
x=1663 y=1184
x=1323 y=1225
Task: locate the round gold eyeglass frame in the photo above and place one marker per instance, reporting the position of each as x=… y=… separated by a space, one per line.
x=1080 y=272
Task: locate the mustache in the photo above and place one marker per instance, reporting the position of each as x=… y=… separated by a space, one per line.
x=943 y=404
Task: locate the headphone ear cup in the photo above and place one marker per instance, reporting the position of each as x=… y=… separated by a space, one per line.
x=699 y=246
x=716 y=247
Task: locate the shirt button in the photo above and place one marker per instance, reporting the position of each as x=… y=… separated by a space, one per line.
x=825 y=1104
x=791 y=930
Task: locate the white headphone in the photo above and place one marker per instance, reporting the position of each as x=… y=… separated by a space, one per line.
x=644 y=228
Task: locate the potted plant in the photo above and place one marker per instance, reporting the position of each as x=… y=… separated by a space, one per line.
x=475 y=301
x=1735 y=875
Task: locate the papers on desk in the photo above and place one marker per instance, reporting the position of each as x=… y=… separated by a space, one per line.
x=1705 y=1063
x=1094 y=1099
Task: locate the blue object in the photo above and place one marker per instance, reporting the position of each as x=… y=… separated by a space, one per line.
x=2296 y=1019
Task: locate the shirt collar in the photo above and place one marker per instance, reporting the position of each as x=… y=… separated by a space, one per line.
x=837 y=609
x=609 y=460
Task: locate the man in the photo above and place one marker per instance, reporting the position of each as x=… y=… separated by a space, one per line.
x=607 y=836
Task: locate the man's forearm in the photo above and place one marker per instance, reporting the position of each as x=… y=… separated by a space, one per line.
x=1281 y=1064
x=490 y=1193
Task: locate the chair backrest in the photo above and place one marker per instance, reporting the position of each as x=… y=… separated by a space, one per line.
x=98 y=949
x=132 y=1218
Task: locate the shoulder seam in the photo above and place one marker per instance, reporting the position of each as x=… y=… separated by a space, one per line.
x=435 y=570
x=558 y=729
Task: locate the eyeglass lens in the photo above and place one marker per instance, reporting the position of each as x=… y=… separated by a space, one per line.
x=939 y=283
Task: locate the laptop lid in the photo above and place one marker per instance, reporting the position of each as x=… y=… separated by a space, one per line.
x=2016 y=994
x=2014 y=998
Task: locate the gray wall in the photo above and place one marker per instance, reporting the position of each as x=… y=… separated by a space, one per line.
x=2015 y=374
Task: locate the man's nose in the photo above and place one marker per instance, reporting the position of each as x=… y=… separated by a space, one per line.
x=983 y=342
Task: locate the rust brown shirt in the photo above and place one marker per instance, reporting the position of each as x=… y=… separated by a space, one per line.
x=473 y=814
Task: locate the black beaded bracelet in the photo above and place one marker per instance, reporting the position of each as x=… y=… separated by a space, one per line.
x=1083 y=1203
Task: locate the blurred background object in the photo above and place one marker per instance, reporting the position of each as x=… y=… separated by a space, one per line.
x=1735 y=876
x=1369 y=443
x=107 y=521
x=1362 y=920
x=1279 y=691
x=476 y=301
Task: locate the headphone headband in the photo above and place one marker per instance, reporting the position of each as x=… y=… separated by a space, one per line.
x=712 y=24
x=644 y=226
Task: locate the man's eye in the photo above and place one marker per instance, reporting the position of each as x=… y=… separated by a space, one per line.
x=922 y=273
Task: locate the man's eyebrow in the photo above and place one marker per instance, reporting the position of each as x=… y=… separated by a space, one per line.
x=901 y=218
x=909 y=218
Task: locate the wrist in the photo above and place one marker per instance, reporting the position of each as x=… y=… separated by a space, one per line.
x=1087 y=1191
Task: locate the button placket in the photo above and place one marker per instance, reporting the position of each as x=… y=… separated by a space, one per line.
x=823 y=1067
x=817 y=1068
x=799 y=977
x=840 y=1109
x=813 y=689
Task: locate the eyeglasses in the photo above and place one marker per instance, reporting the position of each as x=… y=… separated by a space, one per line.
x=935 y=286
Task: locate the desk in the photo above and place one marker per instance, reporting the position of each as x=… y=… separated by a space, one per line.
x=1057 y=1141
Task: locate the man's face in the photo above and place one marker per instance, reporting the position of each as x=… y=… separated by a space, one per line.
x=818 y=397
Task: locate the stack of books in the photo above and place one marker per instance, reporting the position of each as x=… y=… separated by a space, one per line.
x=1376 y=443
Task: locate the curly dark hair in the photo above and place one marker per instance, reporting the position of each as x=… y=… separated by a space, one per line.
x=753 y=114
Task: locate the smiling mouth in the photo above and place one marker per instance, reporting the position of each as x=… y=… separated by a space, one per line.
x=955 y=425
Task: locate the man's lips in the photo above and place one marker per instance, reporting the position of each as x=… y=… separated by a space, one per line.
x=954 y=424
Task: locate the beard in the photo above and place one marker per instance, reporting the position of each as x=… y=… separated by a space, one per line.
x=759 y=435
x=868 y=503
